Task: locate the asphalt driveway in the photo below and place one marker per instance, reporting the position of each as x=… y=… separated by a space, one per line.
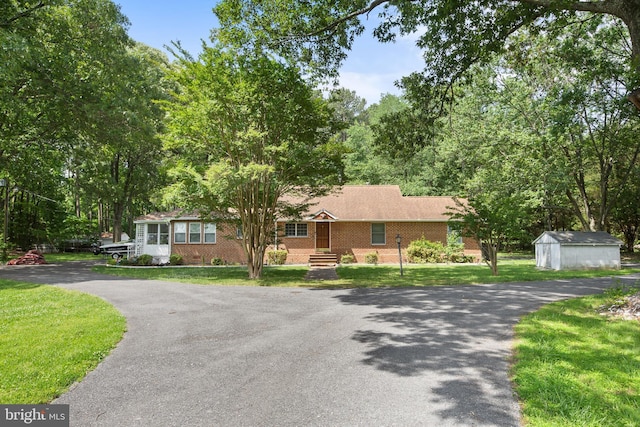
x=255 y=356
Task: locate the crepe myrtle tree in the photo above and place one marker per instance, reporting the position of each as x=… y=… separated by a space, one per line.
x=454 y=34
x=244 y=131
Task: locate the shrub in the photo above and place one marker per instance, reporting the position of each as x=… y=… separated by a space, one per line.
x=5 y=248
x=371 y=258
x=277 y=257
x=425 y=251
x=144 y=259
x=176 y=259
x=217 y=261
x=454 y=251
x=347 y=259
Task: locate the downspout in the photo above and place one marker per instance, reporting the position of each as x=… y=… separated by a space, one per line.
x=170 y=238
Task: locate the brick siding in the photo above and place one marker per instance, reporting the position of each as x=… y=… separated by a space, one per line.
x=227 y=247
x=352 y=238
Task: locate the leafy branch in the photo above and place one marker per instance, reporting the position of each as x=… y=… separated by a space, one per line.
x=22 y=14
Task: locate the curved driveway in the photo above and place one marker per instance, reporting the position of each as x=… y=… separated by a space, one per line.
x=256 y=356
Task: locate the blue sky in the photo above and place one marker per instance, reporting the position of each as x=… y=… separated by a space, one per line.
x=371 y=69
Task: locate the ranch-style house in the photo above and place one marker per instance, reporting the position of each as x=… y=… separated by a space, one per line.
x=355 y=220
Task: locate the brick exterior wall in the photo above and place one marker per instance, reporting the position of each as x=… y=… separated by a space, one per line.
x=227 y=247
x=345 y=238
x=355 y=238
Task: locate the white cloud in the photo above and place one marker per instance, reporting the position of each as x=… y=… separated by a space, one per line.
x=372 y=67
x=369 y=86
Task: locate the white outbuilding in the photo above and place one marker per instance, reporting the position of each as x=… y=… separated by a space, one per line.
x=571 y=250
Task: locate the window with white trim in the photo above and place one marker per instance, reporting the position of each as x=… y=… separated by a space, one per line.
x=378 y=234
x=295 y=229
x=157 y=234
x=180 y=232
x=152 y=234
x=164 y=234
x=194 y=232
x=209 y=232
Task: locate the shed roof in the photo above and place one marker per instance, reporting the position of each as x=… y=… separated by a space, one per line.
x=592 y=238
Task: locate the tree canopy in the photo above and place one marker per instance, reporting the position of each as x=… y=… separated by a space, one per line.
x=76 y=93
x=454 y=34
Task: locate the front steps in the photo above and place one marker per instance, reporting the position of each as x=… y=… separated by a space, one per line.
x=323 y=259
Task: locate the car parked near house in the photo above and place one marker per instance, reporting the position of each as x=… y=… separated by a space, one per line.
x=116 y=250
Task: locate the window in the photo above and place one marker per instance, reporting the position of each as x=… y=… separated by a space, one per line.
x=194 y=232
x=180 y=232
x=294 y=229
x=209 y=233
x=152 y=234
x=378 y=234
x=453 y=235
x=157 y=233
x=164 y=234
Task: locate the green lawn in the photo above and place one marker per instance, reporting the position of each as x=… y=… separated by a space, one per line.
x=576 y=367
x=272 y=276
x=70 y=256
x=354 y=276
x=53 y=258
x=50 y=338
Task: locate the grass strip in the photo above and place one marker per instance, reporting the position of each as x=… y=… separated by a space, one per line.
x=361 y=276
x=51 y=338
x=576 y=367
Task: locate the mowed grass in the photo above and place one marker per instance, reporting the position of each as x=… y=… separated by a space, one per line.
x=361 y=276
x=238 y=276
x=70 y=256
x=51 y=338
x=576 y=367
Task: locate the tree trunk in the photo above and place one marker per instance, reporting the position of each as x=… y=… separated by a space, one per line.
x=632 y=20
x=492 y=257
x=118 y=210
x=255 y=266
x=630 y=233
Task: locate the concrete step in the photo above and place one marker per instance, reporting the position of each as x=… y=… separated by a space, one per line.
x=320 y=259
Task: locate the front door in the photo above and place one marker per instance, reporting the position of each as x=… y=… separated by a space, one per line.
x=322 y=235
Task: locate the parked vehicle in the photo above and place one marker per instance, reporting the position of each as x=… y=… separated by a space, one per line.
x=116 y=250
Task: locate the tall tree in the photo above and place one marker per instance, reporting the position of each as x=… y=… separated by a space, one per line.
x=488 y=156
x=576 y=79
x=625 y=217
x=363 y=163
x=56 y=57
x=123 y=151
x=247 y=132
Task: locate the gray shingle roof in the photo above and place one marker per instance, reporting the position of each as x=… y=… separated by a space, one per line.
x=581 y=237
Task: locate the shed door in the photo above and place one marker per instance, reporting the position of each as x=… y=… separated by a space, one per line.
x=322 y=235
